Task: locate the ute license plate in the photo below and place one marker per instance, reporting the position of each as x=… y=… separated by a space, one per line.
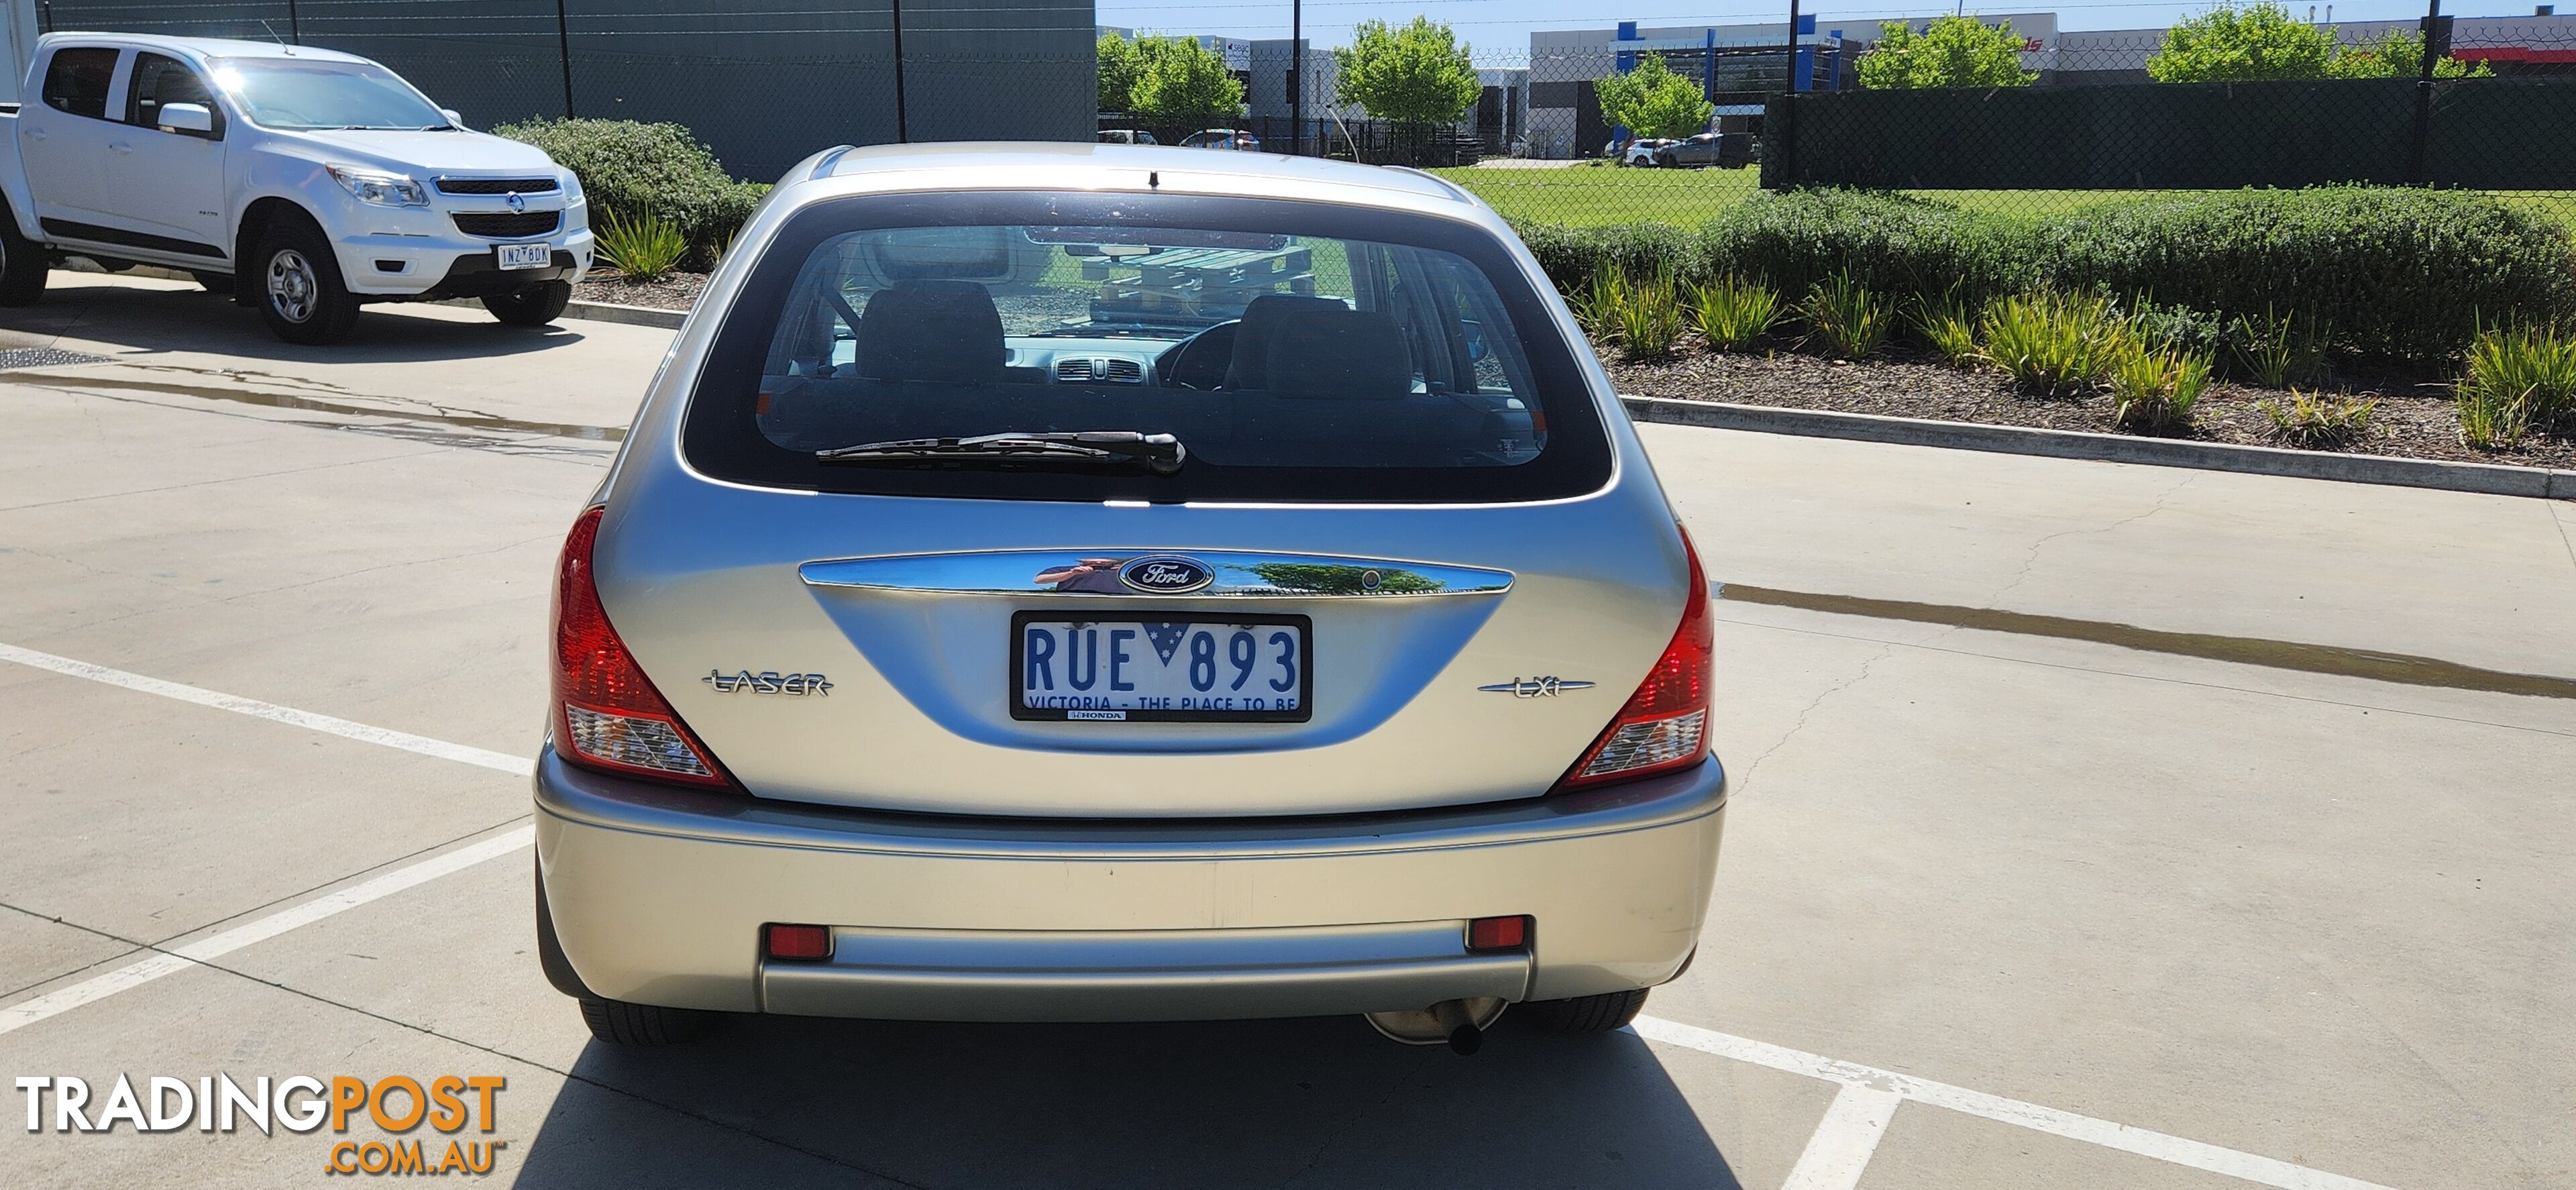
x=527 y=256
x=1141 y=668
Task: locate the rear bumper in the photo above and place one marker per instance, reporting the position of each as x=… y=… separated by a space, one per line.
x=658 y=895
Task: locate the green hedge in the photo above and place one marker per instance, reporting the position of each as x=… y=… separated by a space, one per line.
x=2401 y=273
x=637 y=171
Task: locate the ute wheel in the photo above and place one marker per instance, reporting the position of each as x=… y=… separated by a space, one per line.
x=620 y=1023
x=22 y=263
x=296 y=280
x=1605 y=1013
x=530 y=305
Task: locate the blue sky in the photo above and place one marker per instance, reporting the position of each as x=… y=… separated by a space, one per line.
x=1504 y=25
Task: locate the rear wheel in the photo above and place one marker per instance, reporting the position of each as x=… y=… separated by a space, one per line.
x=1605 y=1013
x=297 y=281
x=530 y=305
x=22 y=264
x=620 y=1023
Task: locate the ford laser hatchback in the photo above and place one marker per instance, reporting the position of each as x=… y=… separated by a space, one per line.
x=1090 y=583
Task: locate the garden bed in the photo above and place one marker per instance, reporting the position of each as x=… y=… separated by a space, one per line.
x=670 y=291
x=2412 y=420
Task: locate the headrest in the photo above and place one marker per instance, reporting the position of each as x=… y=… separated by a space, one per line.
x=1356 y=354
x=945 y=331
x=1250 y=366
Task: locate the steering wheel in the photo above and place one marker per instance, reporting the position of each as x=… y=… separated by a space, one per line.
x=1201 y=360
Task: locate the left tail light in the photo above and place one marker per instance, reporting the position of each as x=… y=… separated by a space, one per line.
x=1664 y=726
x=607 y=713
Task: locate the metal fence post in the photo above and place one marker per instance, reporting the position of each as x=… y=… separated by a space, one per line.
x=293 y=33
x=1782 y=155
x=563 y=50
x=2436 y=30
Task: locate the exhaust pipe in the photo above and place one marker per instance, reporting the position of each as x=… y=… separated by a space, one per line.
x=1465 y=1038
x=1458 y=1024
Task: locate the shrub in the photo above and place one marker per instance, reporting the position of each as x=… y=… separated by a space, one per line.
x=1948 y=324
x=1650 y=317
x=2192 y=332
x=637 y=171
x=2279 y=351
x=2314 y=420
x=1892 y=243
x=640 y=249
x=2051 y=343
x=1733 y=314
x=1850 y=317
x=1573 y=256
x=2154 y=388
x=2517 y=379
x=2399 y=272
x=1597 y=305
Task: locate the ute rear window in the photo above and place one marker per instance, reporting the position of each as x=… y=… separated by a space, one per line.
x=1295 y=351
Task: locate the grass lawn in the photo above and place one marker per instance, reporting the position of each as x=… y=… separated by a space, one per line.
x=1597 y=194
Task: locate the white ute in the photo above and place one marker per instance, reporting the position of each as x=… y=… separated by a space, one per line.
x=303 y=181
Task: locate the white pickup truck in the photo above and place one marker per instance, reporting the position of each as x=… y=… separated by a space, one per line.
x=303 y=181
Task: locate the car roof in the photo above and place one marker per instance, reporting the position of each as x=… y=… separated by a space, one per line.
x=1088 y=165
x=201 y=47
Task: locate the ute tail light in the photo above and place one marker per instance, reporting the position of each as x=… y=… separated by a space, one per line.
x=607 y=713
x=1664 y=726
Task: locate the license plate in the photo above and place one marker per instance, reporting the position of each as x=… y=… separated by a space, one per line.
x=527 y=256
x=1231 y=668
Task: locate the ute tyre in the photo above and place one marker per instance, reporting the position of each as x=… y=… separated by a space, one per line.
x=1605 y=1013
x=294 y=279
x=620 y=1023
x=22 y=263
x=530 y=305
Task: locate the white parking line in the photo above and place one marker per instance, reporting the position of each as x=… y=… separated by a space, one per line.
x=135 y=974
x=1833 y=1160
x=272 y=712
x=1841 y=1147
x=2194 y=1154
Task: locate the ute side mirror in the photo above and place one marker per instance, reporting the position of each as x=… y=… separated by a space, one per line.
x=187 y=119
x=453 y=119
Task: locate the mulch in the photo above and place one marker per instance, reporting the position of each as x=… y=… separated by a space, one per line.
x=671 y=291
x=2414 y=417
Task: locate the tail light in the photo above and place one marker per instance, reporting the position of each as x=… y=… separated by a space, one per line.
x=1664 y=727
x=607 y=714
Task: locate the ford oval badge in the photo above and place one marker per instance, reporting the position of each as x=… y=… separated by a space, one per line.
x=1166 y=574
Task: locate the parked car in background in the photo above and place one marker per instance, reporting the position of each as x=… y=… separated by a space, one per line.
x=1730 y=150
x=1222 y=138
x=1642 y=151
x=1127 y=136
x=305 y=181
x=1268 y=610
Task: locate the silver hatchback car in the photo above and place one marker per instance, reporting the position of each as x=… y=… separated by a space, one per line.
x=1093 y=582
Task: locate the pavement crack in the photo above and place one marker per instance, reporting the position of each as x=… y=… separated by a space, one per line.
x=2032 y=561
x=1886 y=648
x=2563 y=537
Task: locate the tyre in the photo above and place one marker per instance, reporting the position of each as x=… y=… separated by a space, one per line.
x=1604 y=1013
x=620 y=1023
x=296 y=281
x=22 y=263
x=530 y=305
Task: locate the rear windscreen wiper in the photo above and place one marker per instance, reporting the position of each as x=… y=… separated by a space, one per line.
x=1161 y=452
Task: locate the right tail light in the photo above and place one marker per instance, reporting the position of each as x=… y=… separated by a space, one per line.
x=1664 y=726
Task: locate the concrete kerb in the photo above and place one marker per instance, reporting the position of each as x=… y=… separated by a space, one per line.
x=2485 y=478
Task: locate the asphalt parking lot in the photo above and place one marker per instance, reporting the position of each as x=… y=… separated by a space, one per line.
x=2122 y=889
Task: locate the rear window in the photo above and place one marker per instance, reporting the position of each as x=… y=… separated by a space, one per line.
x=76 y=81
x=1295 y=351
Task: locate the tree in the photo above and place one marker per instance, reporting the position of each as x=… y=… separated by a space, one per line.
x=1415 y=74
x=1120 y=62
x=2400 y=55
x=1178 y=79
x=2228 y=44
x=1652 y=101
x=1952 y=51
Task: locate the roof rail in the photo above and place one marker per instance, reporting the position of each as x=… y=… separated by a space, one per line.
x=831 y=157
x=1455 y=190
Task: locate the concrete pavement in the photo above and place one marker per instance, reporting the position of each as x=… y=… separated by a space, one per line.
x=2294 y=915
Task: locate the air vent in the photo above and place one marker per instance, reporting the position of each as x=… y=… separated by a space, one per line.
x=1099 y=370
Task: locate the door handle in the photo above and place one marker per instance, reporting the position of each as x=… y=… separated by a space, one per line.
x=35 y=134
x=120 y=146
